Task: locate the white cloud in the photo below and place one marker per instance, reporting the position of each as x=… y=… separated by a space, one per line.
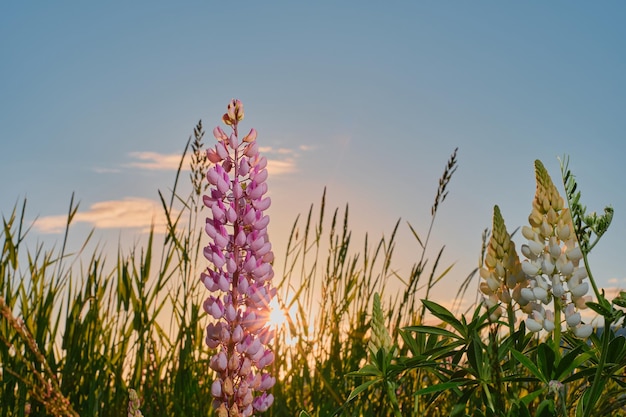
x=279 y=160
x=158 y=161
x=130 y=212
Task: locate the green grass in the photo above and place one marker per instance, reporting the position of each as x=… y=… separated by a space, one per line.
x=78 y=331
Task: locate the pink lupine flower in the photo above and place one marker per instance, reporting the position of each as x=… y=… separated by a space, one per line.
x=241 y=271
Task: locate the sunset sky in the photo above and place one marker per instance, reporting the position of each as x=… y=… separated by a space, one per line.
x=368 y=99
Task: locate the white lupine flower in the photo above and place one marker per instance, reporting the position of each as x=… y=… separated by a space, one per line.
x=530 y=269
x=554 y=248
x=541 y=282
x=492 y=283
x=558 y=290
x=528 y=232
x=527 y=253
x=547 y=266
x=583 y=331
x=541 y=294
x=580 y=273
x=574 y=254
x=573 y=320
x=567 y=268
x=563 y=232
x=580 y=290
x=598 y=321
x=581 y=302
x=552 y=258
x=528 y=294
x=536 y=248
x=533 y=325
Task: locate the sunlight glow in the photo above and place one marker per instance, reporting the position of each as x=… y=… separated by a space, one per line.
x=277 y=317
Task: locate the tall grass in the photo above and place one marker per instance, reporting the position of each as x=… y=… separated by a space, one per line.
x=79 y=330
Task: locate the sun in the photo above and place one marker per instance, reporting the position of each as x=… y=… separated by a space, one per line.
x=277 y=316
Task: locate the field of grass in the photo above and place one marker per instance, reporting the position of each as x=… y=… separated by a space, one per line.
x=78 y=331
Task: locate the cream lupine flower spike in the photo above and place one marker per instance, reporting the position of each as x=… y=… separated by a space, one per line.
x=501 y=271
x=552 y=264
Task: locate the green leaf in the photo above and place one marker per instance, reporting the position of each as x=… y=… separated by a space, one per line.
x=446 y=316
x=545 y=409
x=367 y=370
x=432 y=330
x=529 y=398
x=621 y=299
x=442 y=387
x=362 y=388
x=600 y=309
x=580 y=406
x=572 y=360
x=546 y=359
x=475 y=357
x=523 y=359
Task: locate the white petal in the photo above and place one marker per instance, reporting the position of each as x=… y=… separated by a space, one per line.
x=574 y=254
x=530 y=269
x=541 y=294
x=548 y=325
x=573 y=320
x=583 y=331
x=580 y=290
x=536 y=248
x=533 y=326
x=527 y=294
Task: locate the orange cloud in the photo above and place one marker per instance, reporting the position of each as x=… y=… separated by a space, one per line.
x=279 y=160
x=130 y=212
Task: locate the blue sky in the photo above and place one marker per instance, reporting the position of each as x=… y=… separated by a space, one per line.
x=368 y=99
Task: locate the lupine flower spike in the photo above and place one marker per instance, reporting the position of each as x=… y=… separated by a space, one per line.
x=133 y=404
x=501 y=271
x=552 y=264
x=240 y=273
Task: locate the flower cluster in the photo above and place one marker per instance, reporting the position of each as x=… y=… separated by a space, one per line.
x=551 y=272
x=133 y=404
x=501 y=270
x=241 y=271
x=552 y=264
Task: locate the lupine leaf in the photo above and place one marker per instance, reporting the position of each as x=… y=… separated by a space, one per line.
x=524 y=360
x=362 y=388
x=446 y=316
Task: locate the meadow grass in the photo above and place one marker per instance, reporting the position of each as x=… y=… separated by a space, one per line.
x=78 y=331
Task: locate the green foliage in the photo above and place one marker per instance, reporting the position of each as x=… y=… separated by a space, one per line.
x=93 y=331
x=103 y=330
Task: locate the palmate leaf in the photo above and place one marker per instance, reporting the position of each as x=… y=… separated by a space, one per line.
x=453 y=385
x=433 y=330
x=572 y=360
x=446 y=316
x=530 y=365
x=584 y=224
x=367 y=370
x=355 y=392
x=546 y=360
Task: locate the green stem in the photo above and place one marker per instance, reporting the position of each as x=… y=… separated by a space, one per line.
x=394 y=400
x=557 y=325
x=596 y=387
x=596 y=291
